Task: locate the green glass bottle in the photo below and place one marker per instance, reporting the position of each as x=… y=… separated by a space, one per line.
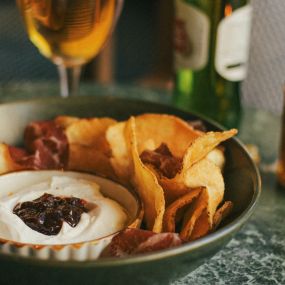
x=211 y=53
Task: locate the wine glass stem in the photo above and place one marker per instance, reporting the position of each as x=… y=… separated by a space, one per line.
x=69 y=80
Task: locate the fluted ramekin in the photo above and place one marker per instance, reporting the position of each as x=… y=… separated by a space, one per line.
x=85 y=250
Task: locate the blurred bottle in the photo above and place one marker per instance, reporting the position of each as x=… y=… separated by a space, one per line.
x=211 y=53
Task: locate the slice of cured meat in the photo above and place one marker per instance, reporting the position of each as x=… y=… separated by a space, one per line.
x=136 y=241
x=46 y=145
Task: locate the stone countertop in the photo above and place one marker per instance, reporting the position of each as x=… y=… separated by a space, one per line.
x=256 y=255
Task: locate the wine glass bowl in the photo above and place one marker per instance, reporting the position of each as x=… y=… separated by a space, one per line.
x=69 y=32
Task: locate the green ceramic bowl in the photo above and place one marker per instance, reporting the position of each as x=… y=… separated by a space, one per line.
x=242 y=187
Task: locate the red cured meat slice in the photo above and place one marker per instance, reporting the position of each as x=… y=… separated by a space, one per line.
x=162 y=160
x=46 y=144
x=136 y=241
x=159 y=242
x=22 y=157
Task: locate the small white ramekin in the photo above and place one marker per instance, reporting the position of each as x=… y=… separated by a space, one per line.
x=86 y=250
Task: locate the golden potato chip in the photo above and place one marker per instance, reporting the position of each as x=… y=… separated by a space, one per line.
x=217 y=156
x=222 y=213
x=203 y=145
x=151 y=131
x=173 y=188
x=88 y=147
x=146 y=184
x=206 y=174
x=170 y=215
x=200 y=148
x=199 y=219
x=195 y=222
x=89 y=159
x=90 y=132
x=121 y=159
x=201 y=225
x=154 y=129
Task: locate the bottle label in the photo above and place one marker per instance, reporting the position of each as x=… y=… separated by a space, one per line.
x=232 y=46
x=191 y=37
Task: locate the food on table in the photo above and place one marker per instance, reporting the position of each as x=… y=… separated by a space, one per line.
x=175 y=166
x=146 y=184
x=178 y=158
x=58 y=210
x=136 y=241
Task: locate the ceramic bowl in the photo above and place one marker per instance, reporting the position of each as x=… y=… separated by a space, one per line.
x=242 y=187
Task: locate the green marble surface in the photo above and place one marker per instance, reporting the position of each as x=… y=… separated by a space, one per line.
x=256 y=255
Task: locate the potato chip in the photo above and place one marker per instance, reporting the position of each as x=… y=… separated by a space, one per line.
x=203 y=146
x=198 y=223
x=121 y=160
x=170 y=216
x=88 y=147
x=199 y=149
x=222 y=213
x=199 y=219
x=151 y=131
x=206 y=174
x=173 y=188
x=217 y=156
x=84 y=158
x=154 y=129
x=89 y=132
x=146 y=184
x=195 y=222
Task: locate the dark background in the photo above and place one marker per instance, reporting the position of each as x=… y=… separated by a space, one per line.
x=140 y=51
x=135 y=44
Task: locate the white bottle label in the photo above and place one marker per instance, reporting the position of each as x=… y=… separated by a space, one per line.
x=191 y=37
x=232 y=47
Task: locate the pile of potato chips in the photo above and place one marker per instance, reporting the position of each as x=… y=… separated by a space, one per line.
x=188 y=201
x=176 y=169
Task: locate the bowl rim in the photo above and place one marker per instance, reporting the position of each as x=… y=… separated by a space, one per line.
x=76 y=245
x=226 y=230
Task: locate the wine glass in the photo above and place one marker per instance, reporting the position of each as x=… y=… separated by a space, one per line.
x=70 y=33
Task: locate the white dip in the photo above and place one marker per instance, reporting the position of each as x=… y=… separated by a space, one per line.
x=106 y=218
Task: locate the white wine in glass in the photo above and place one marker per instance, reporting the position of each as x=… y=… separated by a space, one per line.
x=69 y=32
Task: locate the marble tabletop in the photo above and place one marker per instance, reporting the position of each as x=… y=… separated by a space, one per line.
x=256 y=255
